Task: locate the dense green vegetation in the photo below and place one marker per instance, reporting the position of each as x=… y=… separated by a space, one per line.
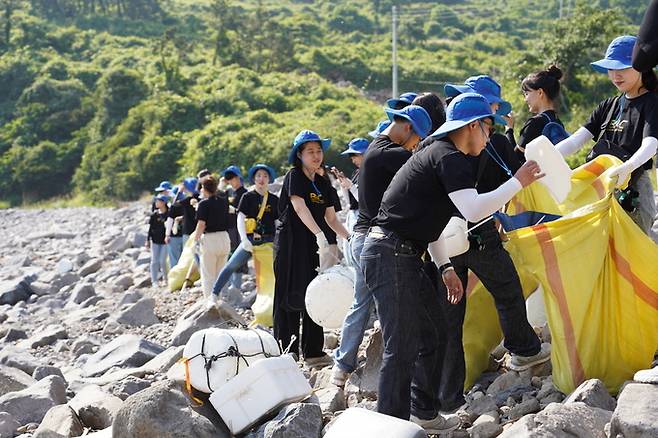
x=105 y=98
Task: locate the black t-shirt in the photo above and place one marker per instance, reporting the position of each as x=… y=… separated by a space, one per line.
x=234 y=198
x=645 y=52
x=156 y=232
x=189 y=214
x=354 y=204
x=416 y=205
x=489 y=174
x=250 y=205
x=380 y=163
x=317 y=196
x=532 y=129
x=214 y=211
x=175 y=211
x=637 y=119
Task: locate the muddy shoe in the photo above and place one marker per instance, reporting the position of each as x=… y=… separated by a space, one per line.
x=521 y=363
x=439 y=424
x=338 y=376
x=319 y=362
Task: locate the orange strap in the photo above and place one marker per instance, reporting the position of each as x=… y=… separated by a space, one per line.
x=188 y=385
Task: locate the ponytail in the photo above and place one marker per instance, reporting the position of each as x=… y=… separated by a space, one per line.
x=547 y=80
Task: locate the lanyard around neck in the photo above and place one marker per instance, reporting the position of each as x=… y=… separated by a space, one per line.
x=493 y=153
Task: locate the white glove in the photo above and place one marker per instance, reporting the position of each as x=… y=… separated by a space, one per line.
x=622 y=172
x=322 y=242
x=247 y=245
x=231 y=209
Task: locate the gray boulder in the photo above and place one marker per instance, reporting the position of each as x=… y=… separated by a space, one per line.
x=90 y=267
x=60 y=422
x=636 y=415
x=31 y=404
x=124 y=351
x=95 y=407
x=162 y=411
x=13 y=334
x=298 y=420
x=14 y=291
x=130 y=298
x=41 y=372
x=81 y=293
x=123 y=282
x=19 y=358
x=128 y=386
x=47 y=336
x=198 y=317
x=593 y=393
x=119 y=244
x=40 y=288
x=8 y=425
x=13 y=379
x=141 y=313
x=366 y=377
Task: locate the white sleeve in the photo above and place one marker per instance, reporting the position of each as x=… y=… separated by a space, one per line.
x=475 y=207
x=645 y=153
x=439 y=252
x=242 y=228
x=169 y=223
x=574 y=142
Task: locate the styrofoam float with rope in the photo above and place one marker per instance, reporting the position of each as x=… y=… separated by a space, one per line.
x=330 y=295
x=214 y=356
x=259 y=390
x=362 y=423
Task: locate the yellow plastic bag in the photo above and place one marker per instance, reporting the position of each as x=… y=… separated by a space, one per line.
x=177 y=274
x=263 y=308
x=597 y=270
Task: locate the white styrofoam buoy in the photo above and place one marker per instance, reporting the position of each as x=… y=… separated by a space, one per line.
x=329 y=296
x=455 y=235
x=551 y=162
x=362 y=423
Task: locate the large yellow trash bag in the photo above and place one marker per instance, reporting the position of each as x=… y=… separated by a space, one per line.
x=177 y=274
x=597 y=270
x=263 y=308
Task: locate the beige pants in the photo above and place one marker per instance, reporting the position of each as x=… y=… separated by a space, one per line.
x=215 y=248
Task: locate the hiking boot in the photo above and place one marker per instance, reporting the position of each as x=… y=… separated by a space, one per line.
x=521 y=363
x=338 y=376
x=212 y=301
x=318 y=362
x=438 y=424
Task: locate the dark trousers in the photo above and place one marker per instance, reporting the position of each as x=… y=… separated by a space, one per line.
x=412 y=326
x=495 y=269
x=286 y=324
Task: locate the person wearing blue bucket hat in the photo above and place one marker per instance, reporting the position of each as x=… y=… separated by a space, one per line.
x=257 y=212
x=306 y=200
x=420 y=200
x=173 y=226
x=233 y=176
x=541 y=91
x=383 y=124
x=189 y=188
x=625 y=126
x=156 y=239
x=487 y=87
x=402 y=101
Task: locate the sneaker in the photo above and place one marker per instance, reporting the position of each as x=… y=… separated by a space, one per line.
x=318 y=362
x=438 y=424
x=212 y=301
x=338 y=376
x=454 y=411
x=521 y=363
x=647 y=376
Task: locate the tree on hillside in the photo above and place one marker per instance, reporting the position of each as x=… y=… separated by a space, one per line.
x=133 y=9
x=7 y=9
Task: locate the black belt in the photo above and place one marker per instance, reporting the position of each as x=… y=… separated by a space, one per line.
x=382 y=232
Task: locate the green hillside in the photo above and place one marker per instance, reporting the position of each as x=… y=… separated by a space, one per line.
x=104 y=98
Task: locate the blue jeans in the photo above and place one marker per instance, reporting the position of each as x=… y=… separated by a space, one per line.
x=175 y=249
x=158 y=262
x=237 y=260
x=412 y=323
x=357 y=318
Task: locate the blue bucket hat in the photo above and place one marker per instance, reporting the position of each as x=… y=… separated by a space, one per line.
x=416 y=115
x=356 y=146
x=163 y=198
x=164 y=186
x=233 y=169
x=380 y=128
x=619 y=55
x=404 y=99
x=487 y=87
x=306 y=136
x=256 y=167
x=464 y=109
x=190 y=184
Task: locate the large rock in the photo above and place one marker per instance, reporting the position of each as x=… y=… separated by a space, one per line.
x=119 y=244
x=13 y=379
x=332 y=399
x=60 y=422
x=39 y=288
x=128 y=386
x=298 y=420
x=366 y=377
x=558 y=420
x=19 y=358
x=8 y=425
x=95 y=407
x=14 y=291
x=47 y=336
x=14 y=334
x=41 y=372
x=141 y=313
x=31 y=404
x=123 y=352
x=162 y=411
x=508 y=380
x=593 y=393
x=81 y=293
x=198 y=317
x=636 y=415
x=90 y=267
x=123 y=282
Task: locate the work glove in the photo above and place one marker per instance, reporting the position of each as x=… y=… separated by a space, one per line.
x=622 y=172
x=323 y=248
x=247 y=245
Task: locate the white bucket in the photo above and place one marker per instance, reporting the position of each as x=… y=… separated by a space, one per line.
x=252 y=346
x=362 y=423
x=258 y=391
x=455 y=235
x=329 y=296
x=551 y=162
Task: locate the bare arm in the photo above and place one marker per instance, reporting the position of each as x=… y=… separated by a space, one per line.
x=304 y=214
x=334 y=223
x=200 y=229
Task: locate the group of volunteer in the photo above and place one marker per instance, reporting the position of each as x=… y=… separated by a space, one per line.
x=425 y=164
